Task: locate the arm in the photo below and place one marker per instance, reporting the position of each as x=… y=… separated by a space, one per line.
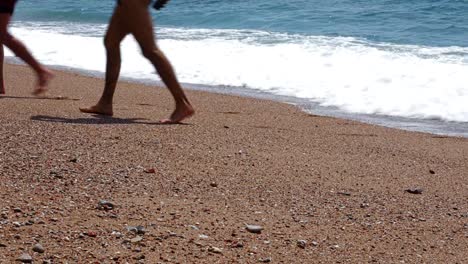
x=160 y=4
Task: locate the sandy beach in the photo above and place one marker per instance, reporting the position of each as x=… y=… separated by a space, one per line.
x=324 y=190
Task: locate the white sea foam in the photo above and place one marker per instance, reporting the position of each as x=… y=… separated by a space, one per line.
x=353 y=75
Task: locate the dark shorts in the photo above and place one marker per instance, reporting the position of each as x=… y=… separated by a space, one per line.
x=7 y=6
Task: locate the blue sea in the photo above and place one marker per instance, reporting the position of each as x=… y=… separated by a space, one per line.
x=395 y=63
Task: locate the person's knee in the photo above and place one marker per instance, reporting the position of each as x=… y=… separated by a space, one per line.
x=150 y=53
x=110 y=44
x=5 y=37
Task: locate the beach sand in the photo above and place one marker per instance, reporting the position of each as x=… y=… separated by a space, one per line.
x=338 y=185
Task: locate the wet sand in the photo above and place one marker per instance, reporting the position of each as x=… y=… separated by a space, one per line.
x=325 y=190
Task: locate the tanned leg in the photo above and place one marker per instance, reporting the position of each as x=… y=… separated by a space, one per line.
x=43 y=75
x=114 y=36
x=143 y=32
x=2 y=82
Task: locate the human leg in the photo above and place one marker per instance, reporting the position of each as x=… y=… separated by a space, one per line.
x=2 y=83
x=142 y=30
x=20 y=50
x=116 y=32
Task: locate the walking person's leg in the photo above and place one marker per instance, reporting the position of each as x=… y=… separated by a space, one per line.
x=20 y=50
x=142 y=29
x=2 y=82
x=116 y=32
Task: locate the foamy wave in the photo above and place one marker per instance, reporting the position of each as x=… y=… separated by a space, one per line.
x=352 y=74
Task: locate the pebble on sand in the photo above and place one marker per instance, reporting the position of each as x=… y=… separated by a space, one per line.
x=150 y=170
x=265 y=260
x=38 y=248
x=301 y=243
x=215 y=250
x=91 y=234
x=414 y=190
x=105 y=205
x=25 y=258
x=254 y=229
x=137 y=229
x=136 y=239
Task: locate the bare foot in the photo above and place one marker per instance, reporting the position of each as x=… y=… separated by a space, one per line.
x=97 y=109
x=179 y=114
x=43 y=81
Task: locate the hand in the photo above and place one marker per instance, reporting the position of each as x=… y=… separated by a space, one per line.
x=160 y=4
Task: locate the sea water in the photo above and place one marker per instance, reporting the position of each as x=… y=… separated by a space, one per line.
x=396 y=63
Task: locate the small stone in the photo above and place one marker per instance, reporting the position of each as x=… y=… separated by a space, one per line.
x=203 y=236
x=198 y=243
x=301 y=243
x=17 y=210
x=414 y=190
x=3 y=245
x=215 y=250
x=137 y=250
x=314 y=243
x=140 y=230
x=194 y=227
x=213 y=184
x=105 y=205
x=431 y=172
x=74 y=160
x=91 y=234
x=25 y=258
x=117 y=234
x=237 y=244
x=265 y=260
x=38 y=248
x=136 y=239
x=150 y=170
x=344 y=193
x=254 y=229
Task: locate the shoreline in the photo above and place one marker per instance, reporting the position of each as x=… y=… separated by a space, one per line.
x=431 y=126
x=324 y=189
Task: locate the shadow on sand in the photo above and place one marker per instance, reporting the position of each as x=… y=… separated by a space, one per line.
x=58 y=98
x=99 y=120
